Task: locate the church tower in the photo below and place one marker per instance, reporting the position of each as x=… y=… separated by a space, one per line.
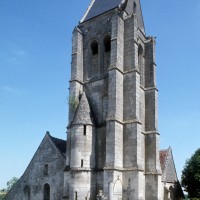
x=112 y=136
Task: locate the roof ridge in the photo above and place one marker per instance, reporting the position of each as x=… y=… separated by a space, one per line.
x=87 y=11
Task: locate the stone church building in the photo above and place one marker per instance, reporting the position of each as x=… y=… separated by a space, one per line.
x=112 y=148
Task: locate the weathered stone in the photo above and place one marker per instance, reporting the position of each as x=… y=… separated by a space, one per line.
x=46 y=167
x=112 y=136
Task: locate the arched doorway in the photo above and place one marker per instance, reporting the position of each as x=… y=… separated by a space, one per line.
x=117 y=190
x=46 y=192
x=27 y=192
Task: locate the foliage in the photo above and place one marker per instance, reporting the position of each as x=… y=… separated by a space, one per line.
x=73 y=102
x=194 y=199
x=10 y=184
x=191 y=176
x=2 y=195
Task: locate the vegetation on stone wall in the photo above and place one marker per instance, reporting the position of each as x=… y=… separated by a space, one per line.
x=10 y=184
x=73 y=102
x=194 y=199
x=190 y=179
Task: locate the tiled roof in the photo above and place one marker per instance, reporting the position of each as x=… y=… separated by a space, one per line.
x=60 y=144
x=83 y=113
x=163 y=158
x=98 y=7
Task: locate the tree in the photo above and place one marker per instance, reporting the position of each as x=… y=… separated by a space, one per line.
x=10 y=184
x=2 y=194
x=191 y=175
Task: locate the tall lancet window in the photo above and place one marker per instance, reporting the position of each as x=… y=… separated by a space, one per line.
x=141 y=64
x=107 y=50
x=94 y=58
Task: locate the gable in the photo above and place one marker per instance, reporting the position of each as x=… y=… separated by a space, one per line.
x=168 y=166
x=163 y=158
x=170 y=171
x=47 y=155
x=47 y=152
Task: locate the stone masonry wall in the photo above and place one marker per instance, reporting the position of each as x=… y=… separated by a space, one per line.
x=34 y=177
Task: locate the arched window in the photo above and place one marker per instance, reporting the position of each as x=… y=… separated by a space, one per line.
x=27 y=192
x=107 y=49
x=46 y=192
x=141 y=64
x=94 y=58
x=94 y=47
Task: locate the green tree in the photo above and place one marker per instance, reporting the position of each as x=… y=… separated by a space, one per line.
x=2 y=194
x=10 y=184
x=190 y=178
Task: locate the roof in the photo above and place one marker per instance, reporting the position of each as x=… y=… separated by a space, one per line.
x=98 y=7
x=168 y=166
x=163 y=158
x=83 y=112
x=59 y=143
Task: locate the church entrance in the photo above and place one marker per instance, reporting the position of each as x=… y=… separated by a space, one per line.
x=46 y=192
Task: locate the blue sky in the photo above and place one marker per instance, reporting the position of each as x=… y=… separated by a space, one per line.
x=35 y=57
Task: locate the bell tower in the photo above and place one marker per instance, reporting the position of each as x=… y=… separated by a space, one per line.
x=112 y=136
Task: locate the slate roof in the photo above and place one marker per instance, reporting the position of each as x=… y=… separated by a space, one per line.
x=59 y=143
x=98 y=7
x=83 y=112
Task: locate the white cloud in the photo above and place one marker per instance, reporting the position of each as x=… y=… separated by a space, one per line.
x=10 y=89
x=12 y=59
x=20 y=52
x=17 y=55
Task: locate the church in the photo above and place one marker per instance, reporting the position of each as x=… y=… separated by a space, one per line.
x=112 y=147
